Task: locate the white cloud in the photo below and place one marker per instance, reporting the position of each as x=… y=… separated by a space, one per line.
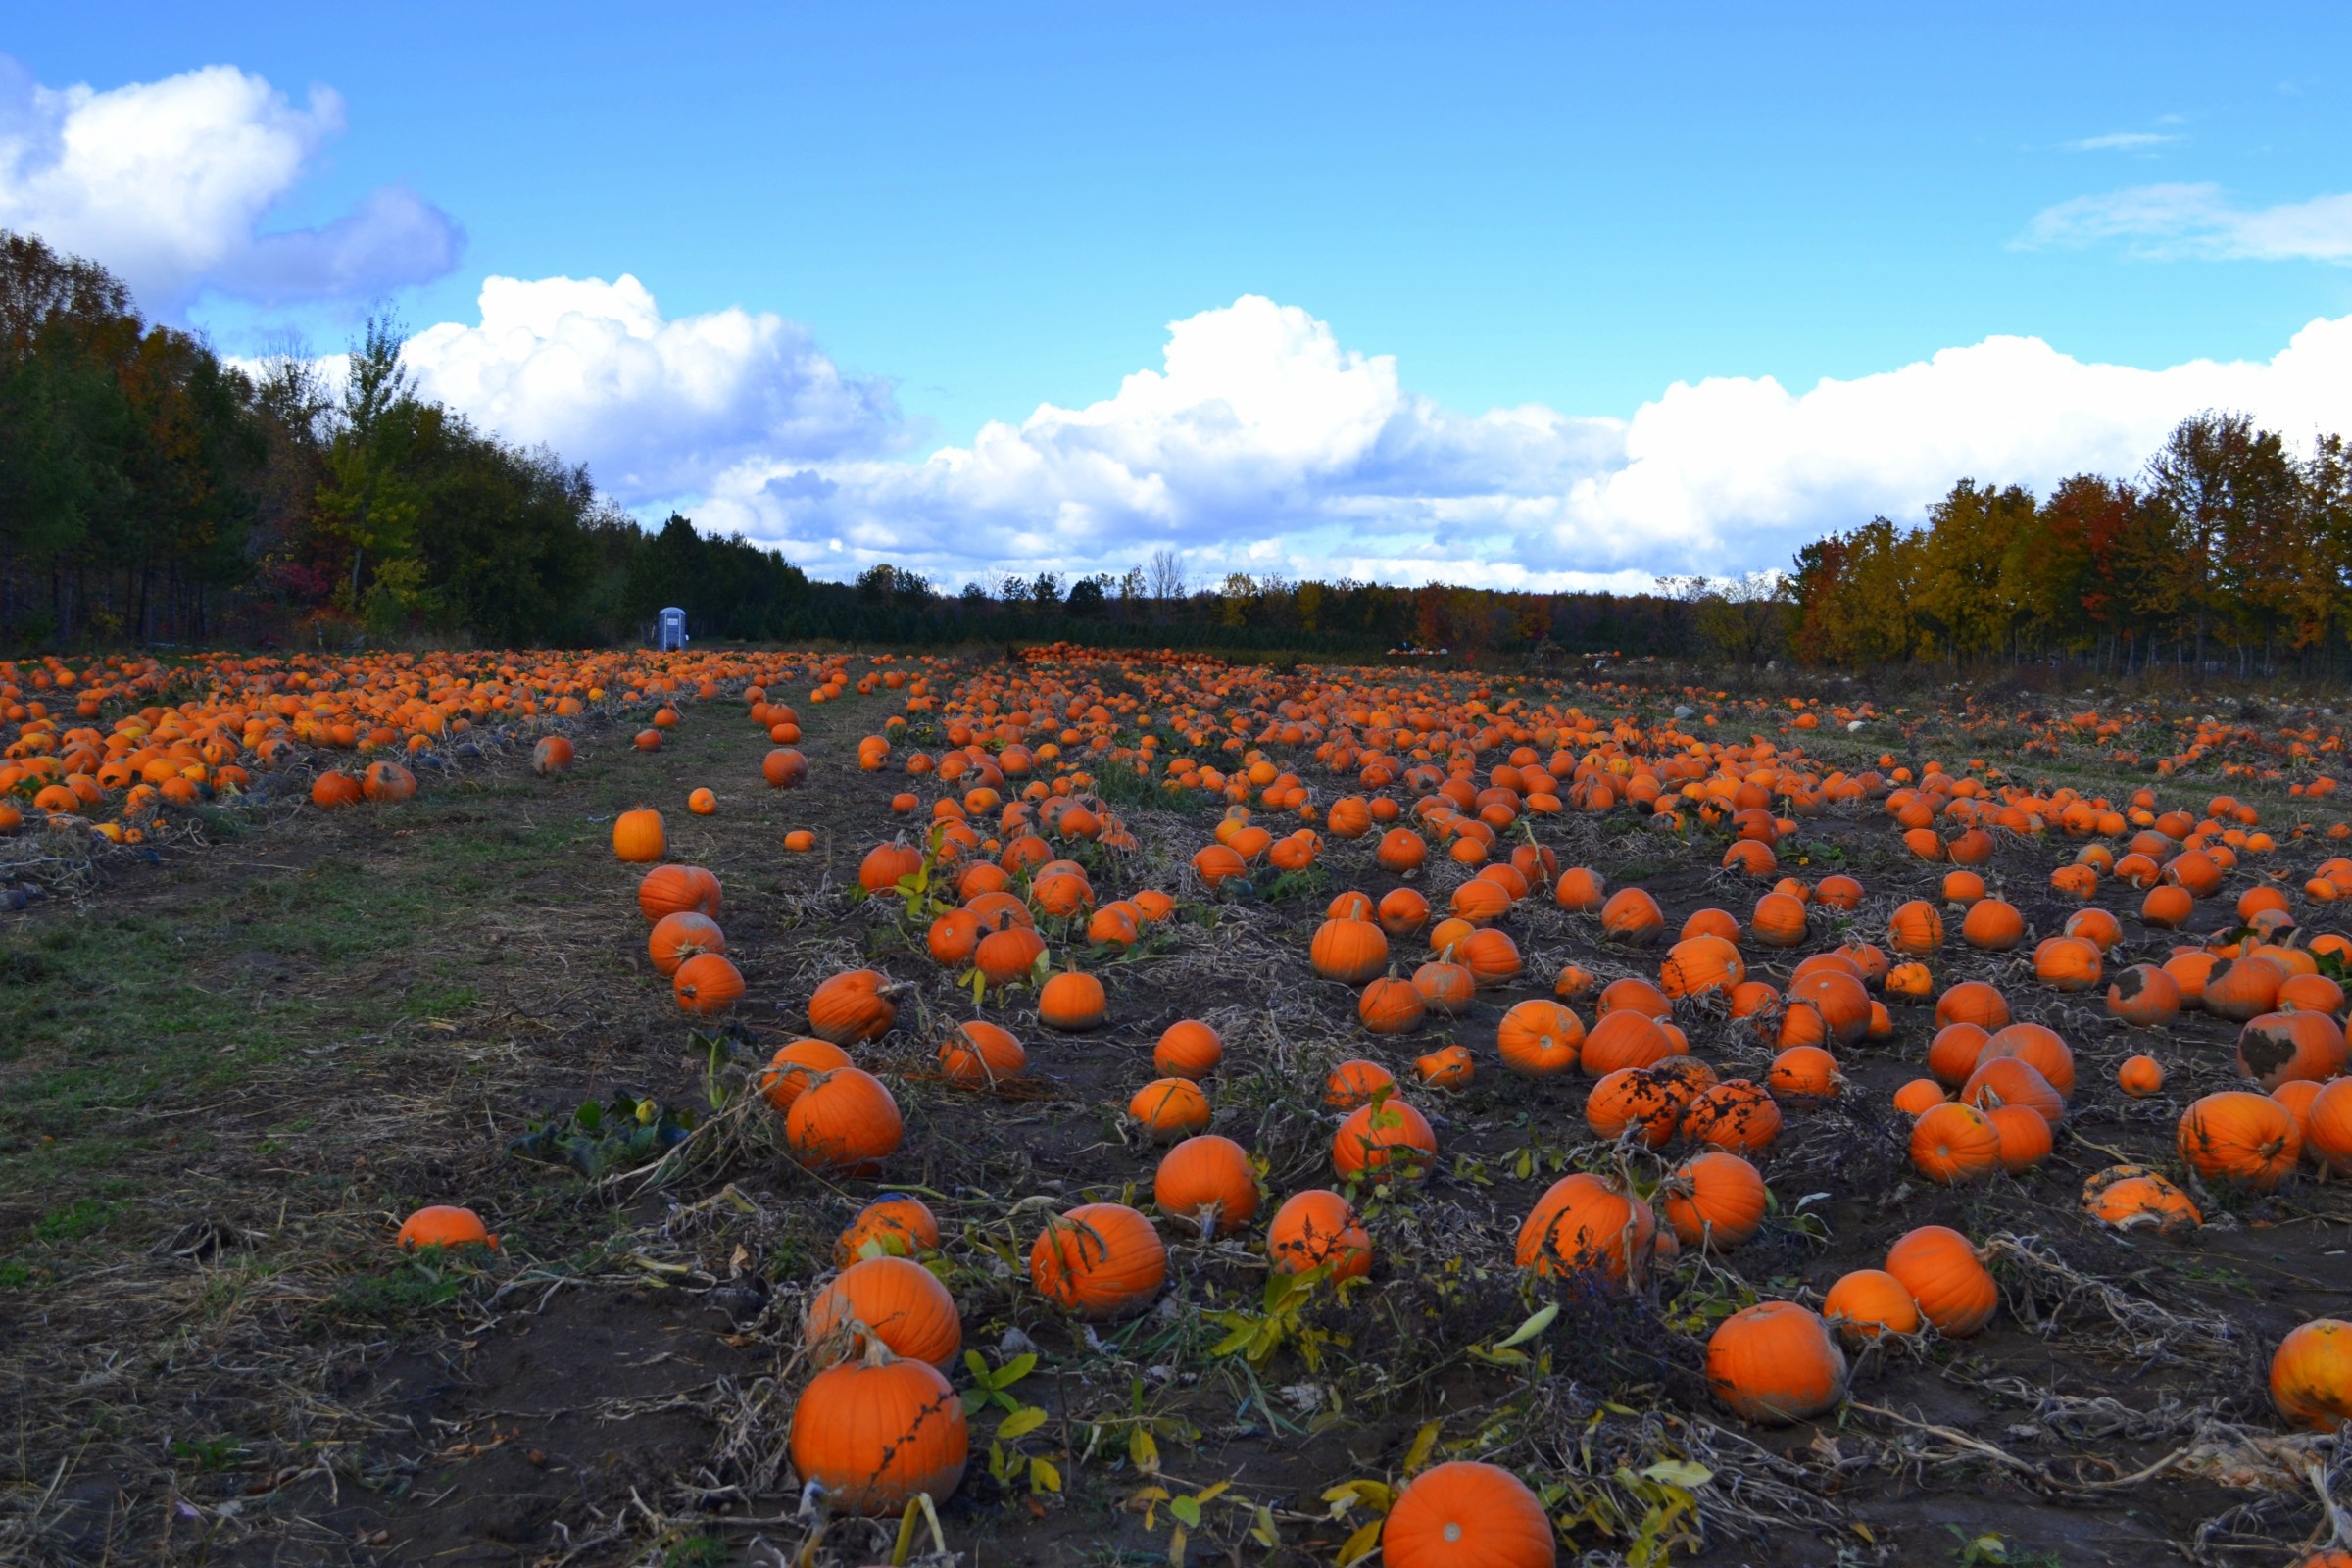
x=2121 y=141
x=658 y=409
x=1263 y=444
x=169 y=183
x=2171 y=220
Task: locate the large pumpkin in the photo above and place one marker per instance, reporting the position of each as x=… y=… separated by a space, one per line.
x=876 y=1433
x=2311 y=1375
x=1100 y=1261
x=1207 y=1182
x=2244 y=1138
x=1954 y=1290
x=844 y=1121
x=1316 y=1227
x=1464 y=1514
x=1585 y=1222
x=851 y=1006
x=1774 y=1363
x=1386 y=1140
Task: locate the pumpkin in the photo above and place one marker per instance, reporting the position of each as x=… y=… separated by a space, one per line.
x=1402 y=912
x=978 y=1054
x=1585 y=1222
x=1446 y=1068
x=1697 y=965
x=1954 y=1290
x=2242 y=1139
x=2140 y=1077
x=1355 y=1083
x=2135 y=1198
x=1187 y=1048
x=637 y=836
x=2095 y=926
x=1915 y=929
x=1623 y=1039
x=2144 y=996
x=2311 y=1375
x=2312 y=993
x=1954 y=1143
x=1633 y=994
x=953 y=937
x=891 y=1300
x=676 y=890
x=795 y=1066
x=2166 y=908
x=1389 y=1006
x=1803 y=1072
x=1350 y=950
x=1911 y=982
x=1465 y=1515
x=1972 y=1002
x=1537 y=1037
x=1008 y=954
x=1100 y=1261
x=1401 y=850
x=706 y=985
x=1869 y=1302
x=1992 y=925
x=1445 y=987
x=2024 y=1135
x=1580 y=890
x=1386 y=1139
x=2039 y=1048
x=444 y=1225
x=897 y=1226
x=677 y=938
x=1645 y=1100
x=1778 y=920
x=387 y=781
x=1490 y=955
x=1631 y=916
x=1952 y=1055
x=1072 y=1002
x=1715 y=1200
x=1775 y=1363
x=846 y=1121
x=2280 y=1047
x=784 y=768
x=1316 y=1227
x=1735 y=1115
x=2242 y=988
x=886 y=864
x=2067 y=963
x=2328 y=1126
x=333 y=789
x=1479 y=902
x=1217 y=864
x=552 y=755
x=851 y=1007
x=1207 y=1182
x=2012 y=1081
x=1169 y=1108
x=1840 y=1001
x=876 y=1433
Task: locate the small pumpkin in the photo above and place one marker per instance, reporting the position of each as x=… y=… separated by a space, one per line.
x=1715 y=1200
x=2135 y=1198
x=980 y=1055
x=1188 y=1048
x=892 y=1299
x=444 y=1225
x=1072 y=1002
x=1169 y=1108
x=1316 y=1227
x=1386 y=1139
x=1954 y=1144
x=897 y=1226
x=638 y=837
x=1355 y=1083
x=852 y=1006
x=706 y=985
x=1539 y=1037
x=1869 y=1302
x=796 y=1065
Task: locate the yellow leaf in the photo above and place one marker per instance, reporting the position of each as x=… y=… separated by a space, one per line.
x=1423 y=1440
x=1361 y=1545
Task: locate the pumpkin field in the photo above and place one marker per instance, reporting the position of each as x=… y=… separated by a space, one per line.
x=1082 y=1106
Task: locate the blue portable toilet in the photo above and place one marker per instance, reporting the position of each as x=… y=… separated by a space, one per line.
x=672 y=635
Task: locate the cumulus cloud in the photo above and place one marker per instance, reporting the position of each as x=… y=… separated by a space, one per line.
x=659 y=408
x=1262 y=444
x=169 y=184
x=2172 y=221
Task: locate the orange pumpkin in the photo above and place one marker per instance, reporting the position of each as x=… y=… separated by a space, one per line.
x=1319 y=1227
x=876 y=1433
x=897 y=1226
x=1954 y=1144
x=1954 y=1290
x=844 y=1121
x=1588 y=1223
x=1387 y=1140
x=1100 y=1261
x=1537 y=1037
x=706 y=985
x=1462 y=1512
x=1869 y=1302
x=444 y=1225
x=1714 y=1200
x=1207 y=1182
x=2242 y=1139
x=893 y=1301
x=2280 y=1047
x=2311 y=1375
x=1775 y=1363
x=978 y=1054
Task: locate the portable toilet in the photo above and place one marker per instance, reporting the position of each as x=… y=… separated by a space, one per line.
x=672 y=633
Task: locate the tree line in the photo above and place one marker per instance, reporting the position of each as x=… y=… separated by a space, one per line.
x=2229 y=551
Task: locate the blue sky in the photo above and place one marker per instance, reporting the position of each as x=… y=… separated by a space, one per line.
x=970 y=214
